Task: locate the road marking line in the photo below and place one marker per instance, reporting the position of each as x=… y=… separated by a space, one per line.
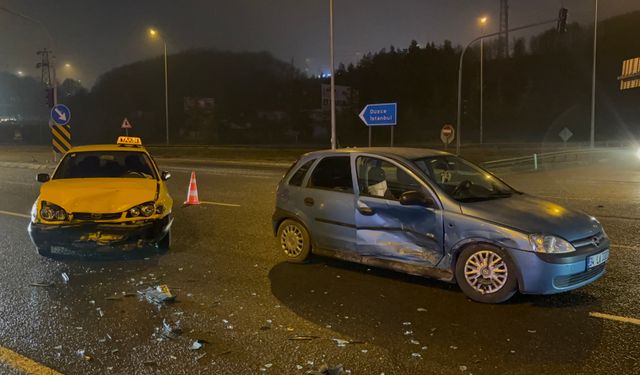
x=15 y=214
x=22 y=363
x=220 y=204
x=626 y=247
x=615 y=317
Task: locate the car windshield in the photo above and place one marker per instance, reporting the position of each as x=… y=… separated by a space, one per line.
x=105 y=164
x=462 y=180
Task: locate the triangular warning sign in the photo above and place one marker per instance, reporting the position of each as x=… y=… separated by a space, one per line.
x=126 y=124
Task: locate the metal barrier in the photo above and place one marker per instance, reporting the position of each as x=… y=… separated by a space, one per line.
x=534 y=161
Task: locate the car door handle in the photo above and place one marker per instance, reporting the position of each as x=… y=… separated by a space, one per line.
x=366 y=211
x=308 y=201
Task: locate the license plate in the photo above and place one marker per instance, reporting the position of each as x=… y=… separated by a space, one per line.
x=598 y=259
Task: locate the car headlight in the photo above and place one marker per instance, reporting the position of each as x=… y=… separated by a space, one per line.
x=52 y=212
x=146 y=209
x=134 y=211
x=550 y=244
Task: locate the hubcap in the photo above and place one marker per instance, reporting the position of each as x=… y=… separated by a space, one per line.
x=486 y=272
x=292 y=240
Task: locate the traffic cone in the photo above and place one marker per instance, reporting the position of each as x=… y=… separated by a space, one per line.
x=192 y=194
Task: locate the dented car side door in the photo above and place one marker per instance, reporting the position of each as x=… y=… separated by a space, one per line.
x=386 y=229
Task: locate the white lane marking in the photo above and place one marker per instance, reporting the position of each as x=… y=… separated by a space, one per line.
x=14 y=214
x=616 y=318
x=24 y=364
x=220 y=204
x=626 y=247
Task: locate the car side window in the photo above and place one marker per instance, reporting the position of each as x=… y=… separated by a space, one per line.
x=381 y=179
x=298 y=176
x=333 y=173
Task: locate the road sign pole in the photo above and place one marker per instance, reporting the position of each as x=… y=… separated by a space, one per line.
x=166 y=91
x=391 y=135
x=369 y=136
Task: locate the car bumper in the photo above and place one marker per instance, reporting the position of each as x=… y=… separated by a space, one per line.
x=540 y=276
x=92 y=235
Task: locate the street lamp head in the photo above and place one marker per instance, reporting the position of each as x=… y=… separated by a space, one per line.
x=153 y=32
x=483 y=20
x=67 y=66
x=20 y=73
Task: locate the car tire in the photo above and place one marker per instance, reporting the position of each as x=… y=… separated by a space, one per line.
x=45 y=251
x=165 y=243
x=294 y=241
x=486 y=274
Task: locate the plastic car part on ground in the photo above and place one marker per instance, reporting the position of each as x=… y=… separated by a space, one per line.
x=158 y=294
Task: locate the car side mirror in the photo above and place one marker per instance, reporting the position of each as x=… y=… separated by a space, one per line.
x=43 y=177
x=416 y=198
x=165 y=175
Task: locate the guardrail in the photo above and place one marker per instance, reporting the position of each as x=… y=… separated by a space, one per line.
x=535 y=160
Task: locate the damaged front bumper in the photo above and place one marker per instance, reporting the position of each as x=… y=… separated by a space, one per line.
x=127 y=235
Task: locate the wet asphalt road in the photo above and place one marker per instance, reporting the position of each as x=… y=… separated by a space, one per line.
x=234 y=291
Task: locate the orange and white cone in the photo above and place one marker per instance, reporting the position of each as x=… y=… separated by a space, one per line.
x=192 y=194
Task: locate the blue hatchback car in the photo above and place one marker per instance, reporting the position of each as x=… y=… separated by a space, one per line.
x=430 y=213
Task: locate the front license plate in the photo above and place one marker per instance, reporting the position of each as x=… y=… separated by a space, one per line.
x=598 y=259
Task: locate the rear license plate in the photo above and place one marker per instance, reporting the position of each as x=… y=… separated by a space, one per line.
x=598 y=259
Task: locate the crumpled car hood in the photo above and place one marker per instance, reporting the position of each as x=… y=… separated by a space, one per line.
x=99 y=195
x=530 y=214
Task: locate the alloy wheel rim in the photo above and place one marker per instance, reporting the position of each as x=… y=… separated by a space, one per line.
x=486 y=272
x=292 y=240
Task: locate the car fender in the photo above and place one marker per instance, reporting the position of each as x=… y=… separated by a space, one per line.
x=462 y=231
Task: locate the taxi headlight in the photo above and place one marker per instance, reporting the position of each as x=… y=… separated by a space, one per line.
x=148 y=209
x=550 y=244
x=52 y=212
x=134 y=211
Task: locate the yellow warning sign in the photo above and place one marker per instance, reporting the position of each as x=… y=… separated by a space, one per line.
x=61 y=138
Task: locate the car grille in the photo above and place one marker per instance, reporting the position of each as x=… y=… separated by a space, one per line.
x=587 y=242
x=567 y=281
x=94 y=216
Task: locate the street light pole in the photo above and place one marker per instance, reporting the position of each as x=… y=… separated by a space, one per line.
x=483 y=22
x=333 y=82
x=464 y=50
x=593 y=78
x=166 y=92
x=154 y=33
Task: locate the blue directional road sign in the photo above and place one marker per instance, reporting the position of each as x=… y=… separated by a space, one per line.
x=385 y=114
x=61 y=114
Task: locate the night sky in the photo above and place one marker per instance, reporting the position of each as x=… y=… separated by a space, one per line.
x=95 y=36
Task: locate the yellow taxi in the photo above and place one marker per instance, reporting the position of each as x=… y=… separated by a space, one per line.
x=103 y=196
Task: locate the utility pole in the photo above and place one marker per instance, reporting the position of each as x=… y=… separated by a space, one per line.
x=592 y=139
x=47 y=65
x=333 y=82
x=504 y=29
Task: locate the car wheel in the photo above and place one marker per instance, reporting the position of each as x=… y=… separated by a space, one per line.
x=165 y=243
x=45 y=250
x=294 y=241
x=486 y=274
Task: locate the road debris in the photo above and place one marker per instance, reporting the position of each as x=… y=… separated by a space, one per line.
x=43 y=285
x=65 y=277
x=421 y=309
x=463 y=368
x=169 y=331
x=197 y=358
x=416 y=355
x=303 y=337
x=198 y=344
x=158 y=294
x=326 y=370
x=82 y=354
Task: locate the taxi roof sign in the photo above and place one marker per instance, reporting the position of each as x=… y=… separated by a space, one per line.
x=129 y=141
